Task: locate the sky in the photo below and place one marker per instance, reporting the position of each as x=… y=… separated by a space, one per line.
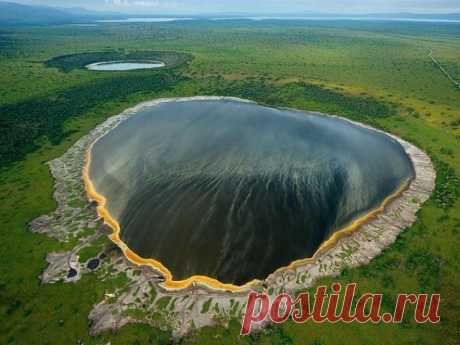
x=257 y=6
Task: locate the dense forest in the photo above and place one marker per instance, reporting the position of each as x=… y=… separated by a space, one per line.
x=304 y=95
x=21 y=124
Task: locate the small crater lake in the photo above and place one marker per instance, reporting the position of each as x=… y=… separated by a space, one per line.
x=124 y=65
x=234 y=190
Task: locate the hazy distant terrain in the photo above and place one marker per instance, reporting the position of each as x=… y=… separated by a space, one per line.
x=12 y=13
x=16 y=14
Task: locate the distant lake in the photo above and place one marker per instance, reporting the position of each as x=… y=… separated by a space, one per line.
x=325 y=18
x=84 y=25
x=234 y=190
x=143 y=20
x=124 y=65
x=281 y=18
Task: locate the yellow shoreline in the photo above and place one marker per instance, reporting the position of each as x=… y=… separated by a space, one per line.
x=170 y=283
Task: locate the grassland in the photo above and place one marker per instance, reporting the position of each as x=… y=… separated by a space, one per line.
x=377 y=72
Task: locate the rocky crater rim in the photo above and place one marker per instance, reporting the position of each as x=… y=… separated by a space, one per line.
x=69 y=62
x=401 y=195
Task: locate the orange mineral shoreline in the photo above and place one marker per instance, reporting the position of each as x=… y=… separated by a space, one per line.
x=171 y=284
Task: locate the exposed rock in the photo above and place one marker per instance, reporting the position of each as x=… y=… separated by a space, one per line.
x=57 y=268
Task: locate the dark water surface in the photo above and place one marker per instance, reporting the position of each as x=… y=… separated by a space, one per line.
x=235 y=190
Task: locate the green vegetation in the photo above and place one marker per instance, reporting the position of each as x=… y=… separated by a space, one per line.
x=299 y=94
x=23 y=123
x=163 y=302
x=447 y=189
x=206 y=305
x=377 y=72
x=93 y=249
